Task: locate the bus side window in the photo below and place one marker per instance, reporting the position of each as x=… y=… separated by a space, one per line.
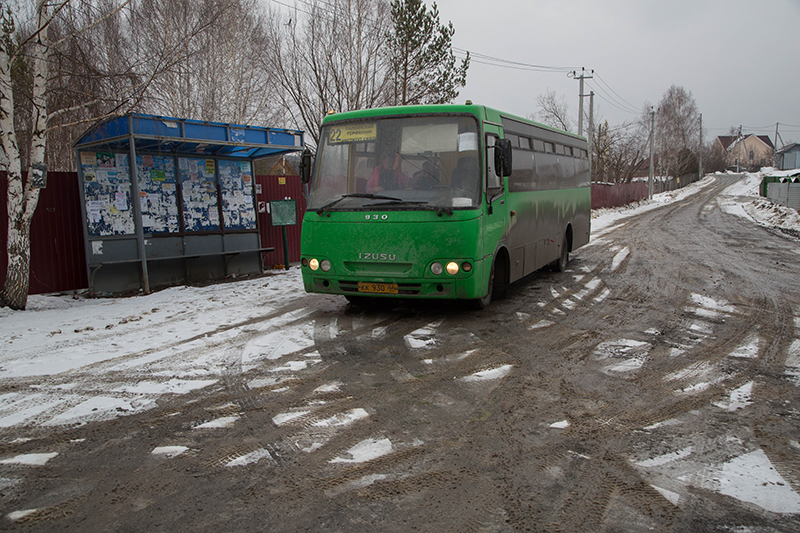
x=492 y=177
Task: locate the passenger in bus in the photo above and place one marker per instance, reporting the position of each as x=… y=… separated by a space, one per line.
x=386 y=176
x=466 y=176
x=427 y=178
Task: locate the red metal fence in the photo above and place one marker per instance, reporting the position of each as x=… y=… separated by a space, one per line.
x=58 y=259
x=279 y=188
x=617 y=194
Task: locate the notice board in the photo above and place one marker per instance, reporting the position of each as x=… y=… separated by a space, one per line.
x=158 y=193
x=236 y=186
x=199 y=192
x=107 y=194
x=283 y=212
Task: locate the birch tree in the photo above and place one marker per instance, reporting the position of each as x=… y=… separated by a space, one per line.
x=67 y=66
x=22 y=197
x=677 y=132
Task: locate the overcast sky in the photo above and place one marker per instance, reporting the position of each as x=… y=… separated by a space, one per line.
x=739 y=59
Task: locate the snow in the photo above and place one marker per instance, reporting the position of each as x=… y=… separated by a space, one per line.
x=488 y=375
x=250 y=458
x=672 y=497
x=343 y=419
x=219 y=423
x=366 y=450
x=666 y=458
x=741 y=199
x=423 y=338
x=169 y=451
x=738 y=399
x=82 y=360
x=30 y=459
x=19 y=515
x=619 y=258
x=750 y=478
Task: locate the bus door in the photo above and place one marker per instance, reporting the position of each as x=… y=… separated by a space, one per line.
x=494 y=206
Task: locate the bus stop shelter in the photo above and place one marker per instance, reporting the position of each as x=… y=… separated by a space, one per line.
x=167 y=201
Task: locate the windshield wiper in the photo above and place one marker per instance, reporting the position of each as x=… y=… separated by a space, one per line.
x=415 y=203
x=357 y=195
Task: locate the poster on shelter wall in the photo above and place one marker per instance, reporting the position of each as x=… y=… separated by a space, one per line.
x=158 y=193
x=107 y=194
x=198 y=184
x=236 y=186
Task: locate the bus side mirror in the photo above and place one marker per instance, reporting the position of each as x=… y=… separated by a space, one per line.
x=305 y=166
x=502 y=157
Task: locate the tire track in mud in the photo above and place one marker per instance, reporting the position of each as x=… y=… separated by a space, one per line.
x=484 y=455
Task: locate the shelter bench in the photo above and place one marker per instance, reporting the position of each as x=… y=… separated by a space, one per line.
x=94 y=268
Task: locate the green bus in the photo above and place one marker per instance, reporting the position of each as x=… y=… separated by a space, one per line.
x=440 y=202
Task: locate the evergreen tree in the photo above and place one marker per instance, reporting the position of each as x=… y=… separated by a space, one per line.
x=421 y=56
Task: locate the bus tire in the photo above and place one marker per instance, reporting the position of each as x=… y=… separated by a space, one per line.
x=483 y=303
x=560 y=264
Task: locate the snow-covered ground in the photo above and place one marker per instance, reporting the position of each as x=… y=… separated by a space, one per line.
x=741 y=198
x=76 y=360
x=62 y=334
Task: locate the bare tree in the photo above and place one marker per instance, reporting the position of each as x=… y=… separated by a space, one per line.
x=677 y=132
x=619 y=152
x=329 y=59
x=22 y=198
x=67 y=67
x=553 y=111
x=219 y=74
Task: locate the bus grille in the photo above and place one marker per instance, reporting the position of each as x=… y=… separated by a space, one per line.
x=402 y=288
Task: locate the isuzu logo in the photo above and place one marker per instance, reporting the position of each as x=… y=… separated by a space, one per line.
x=365 y=256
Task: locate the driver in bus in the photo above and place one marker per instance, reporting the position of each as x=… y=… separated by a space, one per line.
x=386 y=176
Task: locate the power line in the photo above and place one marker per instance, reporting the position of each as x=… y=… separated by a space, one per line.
x=610 y=100
x=507 y=63
x=631 y=106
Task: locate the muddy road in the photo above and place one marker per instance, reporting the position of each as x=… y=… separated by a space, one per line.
x=652 y=387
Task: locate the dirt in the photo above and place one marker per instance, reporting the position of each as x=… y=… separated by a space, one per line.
x=619 y=396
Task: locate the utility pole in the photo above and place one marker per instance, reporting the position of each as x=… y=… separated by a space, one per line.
x=652 y=142
x=741 y=143
x=778 y=136
x=583 y=76
x=775 y=159
x=700 y=149
x=591 y=129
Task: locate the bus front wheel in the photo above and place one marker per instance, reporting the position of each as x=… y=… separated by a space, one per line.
x=498 y=283
x=482 y=303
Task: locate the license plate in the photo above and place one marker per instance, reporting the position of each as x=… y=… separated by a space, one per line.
x=378 y=288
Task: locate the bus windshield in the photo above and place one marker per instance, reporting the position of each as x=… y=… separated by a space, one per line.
x=419 y=162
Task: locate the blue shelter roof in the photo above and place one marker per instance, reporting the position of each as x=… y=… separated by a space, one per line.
x=192 y=137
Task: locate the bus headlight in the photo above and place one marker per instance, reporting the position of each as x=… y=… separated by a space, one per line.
x=437 y=269
x=325 y=265
x=466 y=266
x=313 y=264
x=452 y=268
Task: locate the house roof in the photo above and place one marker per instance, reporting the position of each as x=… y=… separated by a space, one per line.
x=730 y=140
x=789 y=148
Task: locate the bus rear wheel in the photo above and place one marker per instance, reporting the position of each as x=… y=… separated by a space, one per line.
x=560 y=264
